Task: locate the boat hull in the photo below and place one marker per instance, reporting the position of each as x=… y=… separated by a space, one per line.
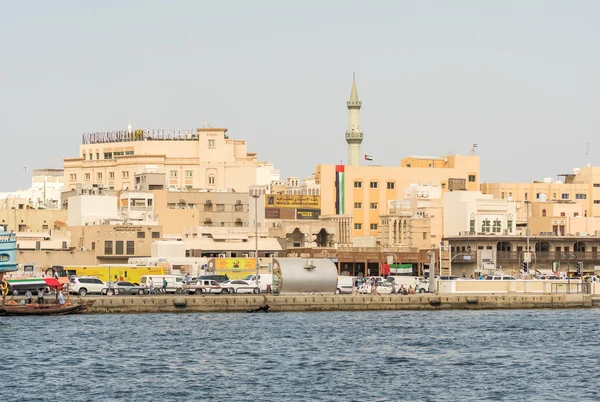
x=49 y=309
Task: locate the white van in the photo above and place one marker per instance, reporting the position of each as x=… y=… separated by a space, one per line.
x=263 y=281
x=174 y=282
x=345 y=284
x=409 y=281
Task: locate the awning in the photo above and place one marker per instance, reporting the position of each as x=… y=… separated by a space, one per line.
x=53 y=283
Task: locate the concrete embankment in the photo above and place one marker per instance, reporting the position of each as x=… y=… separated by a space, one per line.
x=310 y=302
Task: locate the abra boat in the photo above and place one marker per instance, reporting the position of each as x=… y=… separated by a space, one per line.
x=40 y=309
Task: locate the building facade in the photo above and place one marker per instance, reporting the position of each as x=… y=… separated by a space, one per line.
x=365 y=191
x=205 y=158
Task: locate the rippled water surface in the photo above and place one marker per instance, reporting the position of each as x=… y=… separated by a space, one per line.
x=336 y=356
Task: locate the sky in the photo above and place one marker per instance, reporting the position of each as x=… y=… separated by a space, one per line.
x=518 y=78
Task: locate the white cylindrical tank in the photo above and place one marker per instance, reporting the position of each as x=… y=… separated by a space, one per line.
x=542 y=197
x=304 y=275
x=547 y=180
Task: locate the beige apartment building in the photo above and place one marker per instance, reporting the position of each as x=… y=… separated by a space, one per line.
x=115 y=244
x=21 y=219
x=581 y=187
x=365 y=192
x=176 y=210
x=204 y=158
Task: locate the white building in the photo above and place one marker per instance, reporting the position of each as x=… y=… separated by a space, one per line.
x=92 y=210
x=46 y=186
x=471 y=212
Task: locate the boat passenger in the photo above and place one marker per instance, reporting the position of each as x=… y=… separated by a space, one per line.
x=61 y=298
x=29 y=297
x=40 y=295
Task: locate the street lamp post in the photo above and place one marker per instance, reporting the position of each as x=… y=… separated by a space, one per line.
x=255 y=196
x=569 y=257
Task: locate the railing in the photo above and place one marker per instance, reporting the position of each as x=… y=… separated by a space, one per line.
x=550 y=255
x=137 y=209
x=139 y=135
x=571 y=288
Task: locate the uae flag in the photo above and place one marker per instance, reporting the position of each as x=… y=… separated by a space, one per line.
x=339 y=190
x=368 y=157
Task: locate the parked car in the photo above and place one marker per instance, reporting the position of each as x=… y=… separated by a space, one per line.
x=218 y=278
x=82 y=285
x=500 y=278
x=123 y=287
x=383 y=288
x=203 y=286
x=238 y=286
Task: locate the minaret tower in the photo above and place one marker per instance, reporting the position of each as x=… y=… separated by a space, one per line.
x=354 y=136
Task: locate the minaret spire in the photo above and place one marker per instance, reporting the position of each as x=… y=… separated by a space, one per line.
x=354 y=135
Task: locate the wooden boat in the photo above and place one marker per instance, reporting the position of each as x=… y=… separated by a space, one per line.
x=40 y=309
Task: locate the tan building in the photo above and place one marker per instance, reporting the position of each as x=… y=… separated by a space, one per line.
x=205 y=158
x=176 y=210
x=114 y=244
x=21 y=219
x=582 y=187
x=561 y=218
x=365 y=191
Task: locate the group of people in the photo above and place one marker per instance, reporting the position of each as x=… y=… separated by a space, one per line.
x=369 y=285
x=40 y=296
x=152 y=290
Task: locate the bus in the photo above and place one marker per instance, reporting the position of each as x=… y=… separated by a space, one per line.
x=113 y=273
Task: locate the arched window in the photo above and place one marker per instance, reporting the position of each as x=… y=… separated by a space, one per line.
x=497 y=226
x=543 y=212
x=485 y=226
x=211 y=179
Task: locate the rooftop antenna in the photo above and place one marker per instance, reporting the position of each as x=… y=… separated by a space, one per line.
x=473 y=149
x=587 y=154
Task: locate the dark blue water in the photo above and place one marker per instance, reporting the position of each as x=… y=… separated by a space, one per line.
x=337 y=356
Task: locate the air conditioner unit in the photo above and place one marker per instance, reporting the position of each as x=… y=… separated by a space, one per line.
x=85 y=191
x=505 y=232
x=208 y=202
x=244 y=255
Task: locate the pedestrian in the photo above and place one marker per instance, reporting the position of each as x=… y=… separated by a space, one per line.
x=150 y=286
x=393 y=286
x=355 y=287
x=29 y=297
x=61 y=298
x=40 y=295
x=164 y=287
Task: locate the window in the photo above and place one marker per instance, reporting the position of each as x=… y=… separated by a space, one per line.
x=509 y=225
x=171 y=205
x=485 y=226
x=526 y=197
x=189 y=173
x=391 y=185
x=125 y=174
x=108 y=155
x=543 y=212
x=141 y=235
x=128 y=152
x=173 y=173
x=156 y=235
x=98 y=155
x=87 y=176
x=596 y=201
x=119 y=247
x=358 y=226
x=108 y=247
x=596 y=184
x=73 y=177
x=211 y=180
x=93 y=245
x=111 y=175
x=358 y=184
x=358 y=205
x=373 y=184
x=238 y=207
x=130 y=247
x=408 y=165
x=91 y=156
x=581 y=196
x=472 y=178
x=424 y=235
x=84 y=156
x=502 y=195
x=563 y=214
x=211 y=144
x=99 y=176
x=373 y=226
x=497 y=226
x=220 y=207
x=472 y=225
x=564 y=196
x=576 y=214
x=44 y=227
x=373 y=205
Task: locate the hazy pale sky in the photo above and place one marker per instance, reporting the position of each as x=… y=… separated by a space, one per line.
x=519 y=78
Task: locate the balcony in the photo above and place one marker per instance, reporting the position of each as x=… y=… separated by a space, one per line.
x=549 y=256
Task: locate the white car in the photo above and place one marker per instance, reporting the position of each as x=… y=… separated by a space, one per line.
x=383 y=288
x=82 y=285
x=238 y=286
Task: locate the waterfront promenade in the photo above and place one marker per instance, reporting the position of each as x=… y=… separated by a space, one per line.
x=317 y=302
